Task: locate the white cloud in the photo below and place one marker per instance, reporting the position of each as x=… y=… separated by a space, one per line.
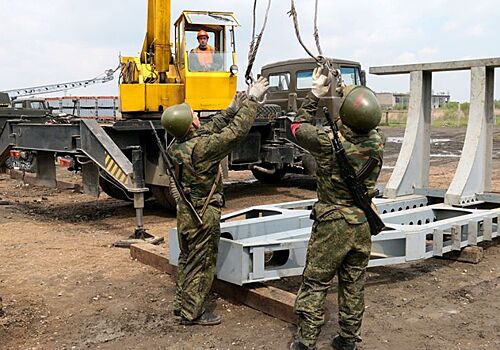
x=450 y=26
x=406 y=57
x=475 y=31
x=56 y=41
x=428 y=52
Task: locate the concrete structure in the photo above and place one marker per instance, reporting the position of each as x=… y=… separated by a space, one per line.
x=473 y=174
x=392 y=100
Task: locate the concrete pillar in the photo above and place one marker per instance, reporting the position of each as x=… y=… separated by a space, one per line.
x=474 y=171
x=412 y=167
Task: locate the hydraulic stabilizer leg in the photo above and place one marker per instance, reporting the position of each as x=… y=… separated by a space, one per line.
x=140 y=233
x=138 y=196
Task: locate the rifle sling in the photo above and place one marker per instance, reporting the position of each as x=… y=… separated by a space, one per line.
x=367 y=169
x=212 y=191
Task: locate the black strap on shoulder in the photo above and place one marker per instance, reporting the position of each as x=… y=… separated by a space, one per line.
x=367 y=168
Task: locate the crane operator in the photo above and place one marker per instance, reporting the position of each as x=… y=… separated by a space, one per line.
x=203 y=58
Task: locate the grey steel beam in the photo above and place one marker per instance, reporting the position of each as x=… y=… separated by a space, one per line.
x=436 y=66
x=5 y=142
x=45 y=137
x=270 y=242
x=96 y=144
x=412 y=166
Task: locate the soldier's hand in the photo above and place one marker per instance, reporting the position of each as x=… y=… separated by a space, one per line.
x=259 y=88
x=237 y=101
x=320 y=83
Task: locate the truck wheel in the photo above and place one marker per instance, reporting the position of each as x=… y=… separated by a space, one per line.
x=268 y=111
x=265 y=177
x=163 y=197
x=114 y=191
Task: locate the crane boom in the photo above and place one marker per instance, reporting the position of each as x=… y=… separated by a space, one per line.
x=156 y=47
x=45 y=89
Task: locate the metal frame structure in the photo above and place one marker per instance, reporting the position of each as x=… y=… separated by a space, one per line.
x=99 y=148
x=45 y=89
x=269 y=242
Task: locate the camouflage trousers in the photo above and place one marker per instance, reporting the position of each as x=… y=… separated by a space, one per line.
x=335 y=246
x=197 y=260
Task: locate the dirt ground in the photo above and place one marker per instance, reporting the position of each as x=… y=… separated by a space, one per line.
x=64 y=286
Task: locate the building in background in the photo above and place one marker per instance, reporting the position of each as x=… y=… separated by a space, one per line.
x=396 y=100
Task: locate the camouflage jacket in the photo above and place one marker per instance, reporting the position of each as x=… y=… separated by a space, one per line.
x=199 y=153
x=334 y=199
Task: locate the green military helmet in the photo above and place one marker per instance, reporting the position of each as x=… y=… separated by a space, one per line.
x=177 y=120
x=360 y=109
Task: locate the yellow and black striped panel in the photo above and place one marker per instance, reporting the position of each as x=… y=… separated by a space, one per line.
x=114 y=169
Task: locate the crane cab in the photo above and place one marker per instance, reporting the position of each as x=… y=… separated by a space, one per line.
x=209 y=76
x=168 y=73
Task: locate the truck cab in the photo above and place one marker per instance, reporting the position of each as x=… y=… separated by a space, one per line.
x=291 y=80
x=31 y=103
x=270 y=150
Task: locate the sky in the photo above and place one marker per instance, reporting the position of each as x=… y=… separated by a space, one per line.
x=57 y=41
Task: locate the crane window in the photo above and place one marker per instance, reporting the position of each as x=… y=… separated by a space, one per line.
x=350 y=75
x=279 y=81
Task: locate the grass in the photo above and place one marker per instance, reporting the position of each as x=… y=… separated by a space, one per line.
x=449 y=116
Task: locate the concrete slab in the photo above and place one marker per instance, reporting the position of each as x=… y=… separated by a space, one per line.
x=436 y=66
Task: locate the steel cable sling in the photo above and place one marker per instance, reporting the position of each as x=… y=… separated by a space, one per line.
x=254 y=44
x=320 y=59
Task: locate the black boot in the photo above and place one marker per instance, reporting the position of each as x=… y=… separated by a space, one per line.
x=339 y=343
x=206 y=319
x=297 y=345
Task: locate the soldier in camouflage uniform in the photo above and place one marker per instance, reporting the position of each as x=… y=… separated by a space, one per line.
x=199 y=151
x=340 y=239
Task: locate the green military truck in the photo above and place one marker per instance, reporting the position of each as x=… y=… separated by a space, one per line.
x=270 y=150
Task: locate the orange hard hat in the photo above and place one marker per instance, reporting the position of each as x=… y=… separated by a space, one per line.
x=202 y=33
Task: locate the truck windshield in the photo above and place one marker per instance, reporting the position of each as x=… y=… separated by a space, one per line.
x=279 y=81
x=350 y=75
x=304 y=79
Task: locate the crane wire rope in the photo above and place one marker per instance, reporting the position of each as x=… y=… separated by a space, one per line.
x=321 y=60
x=254 y=44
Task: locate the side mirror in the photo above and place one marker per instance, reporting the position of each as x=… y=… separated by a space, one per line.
x=362 y=76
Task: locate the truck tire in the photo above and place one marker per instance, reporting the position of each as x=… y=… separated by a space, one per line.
x=268 y=111
x=268 y=178
x=164 y=197
x=114 y=191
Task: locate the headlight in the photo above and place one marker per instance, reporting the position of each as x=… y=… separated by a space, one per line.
x=233 y=69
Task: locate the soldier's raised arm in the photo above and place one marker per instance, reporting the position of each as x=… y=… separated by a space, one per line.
x=309 y=136
x=222 y=119
x=219 y=144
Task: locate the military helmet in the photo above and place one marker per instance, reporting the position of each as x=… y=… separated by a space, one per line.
x=177 y=119
x=360 y=109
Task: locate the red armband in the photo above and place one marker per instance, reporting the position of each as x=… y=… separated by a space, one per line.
x=294 y=128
